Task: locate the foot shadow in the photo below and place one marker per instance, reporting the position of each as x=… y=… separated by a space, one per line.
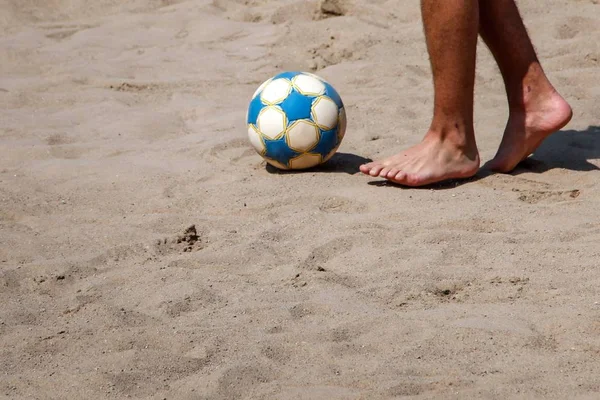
x=341 y=162
x=444 y=185
x=566 y=149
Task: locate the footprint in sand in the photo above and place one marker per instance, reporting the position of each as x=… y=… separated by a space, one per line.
x=321 y=255
x=234 y=151
x=573 y=26
x=342 y=205
x=234 y=381
x=60 y=32
x=277 y=353
x=198 y=300
x=530 y=191
x=555 y=196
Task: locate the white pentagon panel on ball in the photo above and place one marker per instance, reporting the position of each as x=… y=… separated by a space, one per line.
x=308 y=85
x=261 y=87
x=256 y=140
x=307 y=160
x=271 y=122
x=302 y=135
x=276 y=91
x=325 y=112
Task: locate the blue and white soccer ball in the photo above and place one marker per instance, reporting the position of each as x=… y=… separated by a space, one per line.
x=296 y=120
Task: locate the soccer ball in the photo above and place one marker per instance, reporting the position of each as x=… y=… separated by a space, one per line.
x=296 y=120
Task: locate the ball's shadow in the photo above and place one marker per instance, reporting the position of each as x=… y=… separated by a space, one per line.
x=341 y=163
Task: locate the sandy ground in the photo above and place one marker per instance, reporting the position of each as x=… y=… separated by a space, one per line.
x=122 y=125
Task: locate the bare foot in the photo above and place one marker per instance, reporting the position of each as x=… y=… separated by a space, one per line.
x=528 y=127
x=433 y=160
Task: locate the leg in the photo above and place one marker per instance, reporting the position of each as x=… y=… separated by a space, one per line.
x=535 y=108
x=448 y=149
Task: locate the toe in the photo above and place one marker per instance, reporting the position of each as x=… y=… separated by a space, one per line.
x=384 y=172
x=406 y=179
x=375 y=170
x=365 y=168
x=392 y=173
x=400 y=177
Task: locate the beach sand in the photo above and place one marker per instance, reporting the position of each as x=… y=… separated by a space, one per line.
x=123 y=125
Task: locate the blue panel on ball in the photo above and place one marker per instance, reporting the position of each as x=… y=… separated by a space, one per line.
x=297 y=106
x=256 y=105
x=287 y=75
x=327 y=142
x=333 y=94
x=279 y=151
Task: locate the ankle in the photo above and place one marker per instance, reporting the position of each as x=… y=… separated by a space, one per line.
x=530 y=90
x=454 y=132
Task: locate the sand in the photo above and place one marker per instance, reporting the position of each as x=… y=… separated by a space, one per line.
x=146 y=251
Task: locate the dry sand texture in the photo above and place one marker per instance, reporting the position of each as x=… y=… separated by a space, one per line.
x=122 y=124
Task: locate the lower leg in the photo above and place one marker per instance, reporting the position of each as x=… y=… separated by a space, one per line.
x=448 y=149
x=535 y=108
